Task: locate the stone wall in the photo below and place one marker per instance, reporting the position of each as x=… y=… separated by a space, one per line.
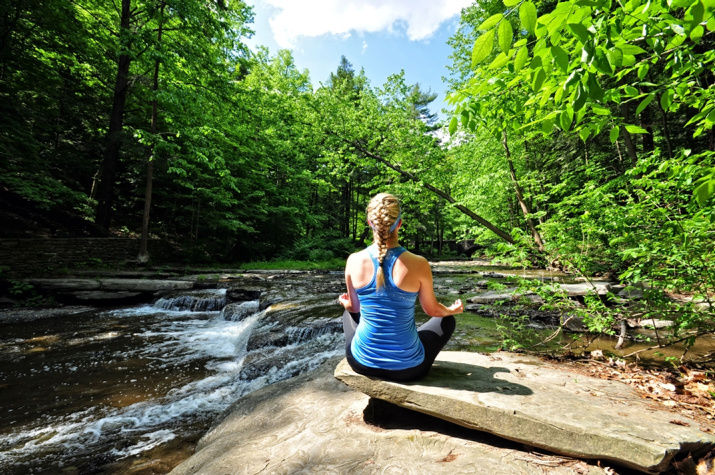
x=30 y=256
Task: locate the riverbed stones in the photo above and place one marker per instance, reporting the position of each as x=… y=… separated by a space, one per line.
x=136 y=285
x=315 y=424
x=524 y=399
x=105 y=291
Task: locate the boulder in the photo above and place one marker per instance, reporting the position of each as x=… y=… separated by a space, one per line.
x=131 y=285
x=524 y=399
x=29 y=314
x=65 y=284
x=579 y=290
x=314 y=424
x=241 y=295
x=104 y=296
x=649 y=323
x=145 y=285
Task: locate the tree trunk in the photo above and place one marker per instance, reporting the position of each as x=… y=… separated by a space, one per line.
x=441 y=193
x=105 y=188
x=628 y=138
x=143 y=257
x=666 y=131
x=519 y=195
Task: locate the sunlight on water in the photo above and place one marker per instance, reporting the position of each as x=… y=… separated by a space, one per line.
x=156 y=347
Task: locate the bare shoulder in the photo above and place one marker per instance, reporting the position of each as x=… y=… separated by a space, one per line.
x=357 y=257
x=358 y=261
x=414 y=261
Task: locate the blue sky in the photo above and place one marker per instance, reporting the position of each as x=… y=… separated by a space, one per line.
x=382 y=37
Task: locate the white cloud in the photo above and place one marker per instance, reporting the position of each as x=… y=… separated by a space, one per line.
x=292 y=19
x=364 y=47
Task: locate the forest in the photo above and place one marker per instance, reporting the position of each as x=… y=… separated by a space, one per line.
x=581 y=138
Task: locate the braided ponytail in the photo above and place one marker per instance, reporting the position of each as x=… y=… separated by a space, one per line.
x=383 y=213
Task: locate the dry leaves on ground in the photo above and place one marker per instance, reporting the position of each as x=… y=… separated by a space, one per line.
x=685 y=390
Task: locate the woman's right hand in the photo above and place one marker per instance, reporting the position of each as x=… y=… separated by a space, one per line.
x=344 y=300
x=456 y=307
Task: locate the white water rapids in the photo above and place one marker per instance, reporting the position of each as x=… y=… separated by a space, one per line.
x=139 y=350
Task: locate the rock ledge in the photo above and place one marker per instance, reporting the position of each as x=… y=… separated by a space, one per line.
x=524 y=399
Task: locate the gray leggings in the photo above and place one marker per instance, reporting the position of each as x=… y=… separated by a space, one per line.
x=433 y=334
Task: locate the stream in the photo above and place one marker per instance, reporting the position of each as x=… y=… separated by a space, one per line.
x=132 y=389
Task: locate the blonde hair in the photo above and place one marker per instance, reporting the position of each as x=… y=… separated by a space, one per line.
x=383 y=211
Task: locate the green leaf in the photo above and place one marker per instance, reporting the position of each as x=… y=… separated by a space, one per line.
x=594 y=89
x=601 y=62
x=560 y=57
x=580 y=31
x=527 y=15
x=453 y=125
x=705 y=190
x=697 y=33
x=634 y=129
x=573 y=77
x=584 y=134
x=631 y=49
x=566 y=118
x=499 y=61
x=490 y=22
x=643 y=70
x=711 y=24
x=556 y=23
x=505 y=35
x=644 y=103
x=521 y=57
x=613 y=134
x=539 y=77
x=615 y=58
x=581 y=96
x=482 y=47
x=628 y=60
x=631 y=91
x=511 y=3
x=666 y=99
x=694 y=14
x=598 y=110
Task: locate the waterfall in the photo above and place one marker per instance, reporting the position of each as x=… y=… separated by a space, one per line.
x=211 y=300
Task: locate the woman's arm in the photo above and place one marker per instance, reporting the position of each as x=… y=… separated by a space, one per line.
x=428 y=300
x=349 y=300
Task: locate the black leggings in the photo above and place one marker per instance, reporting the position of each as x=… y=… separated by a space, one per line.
x=434 y=334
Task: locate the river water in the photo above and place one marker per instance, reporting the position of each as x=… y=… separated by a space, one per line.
x=132 y=389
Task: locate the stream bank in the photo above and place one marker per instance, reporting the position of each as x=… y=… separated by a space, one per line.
x=140 y=382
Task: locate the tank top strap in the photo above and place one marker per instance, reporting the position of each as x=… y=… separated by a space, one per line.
x=372 y=252
x=390 y=260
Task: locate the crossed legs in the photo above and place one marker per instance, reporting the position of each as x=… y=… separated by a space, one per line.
x=433 y=334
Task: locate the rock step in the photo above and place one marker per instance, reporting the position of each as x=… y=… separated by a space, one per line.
x=524 y=399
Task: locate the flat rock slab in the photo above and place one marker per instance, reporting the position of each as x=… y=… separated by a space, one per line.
x=524 y=399
x=129 y=285
x=314 y=424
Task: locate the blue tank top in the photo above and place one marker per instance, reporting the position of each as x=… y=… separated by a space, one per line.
x=386 y=336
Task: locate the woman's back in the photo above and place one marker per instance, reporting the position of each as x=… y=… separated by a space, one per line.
x=386 y=336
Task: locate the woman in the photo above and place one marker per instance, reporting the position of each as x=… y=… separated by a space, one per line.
x=383 y=281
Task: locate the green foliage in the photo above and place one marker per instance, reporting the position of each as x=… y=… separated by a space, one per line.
x=611 y=105
x=517 y=333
